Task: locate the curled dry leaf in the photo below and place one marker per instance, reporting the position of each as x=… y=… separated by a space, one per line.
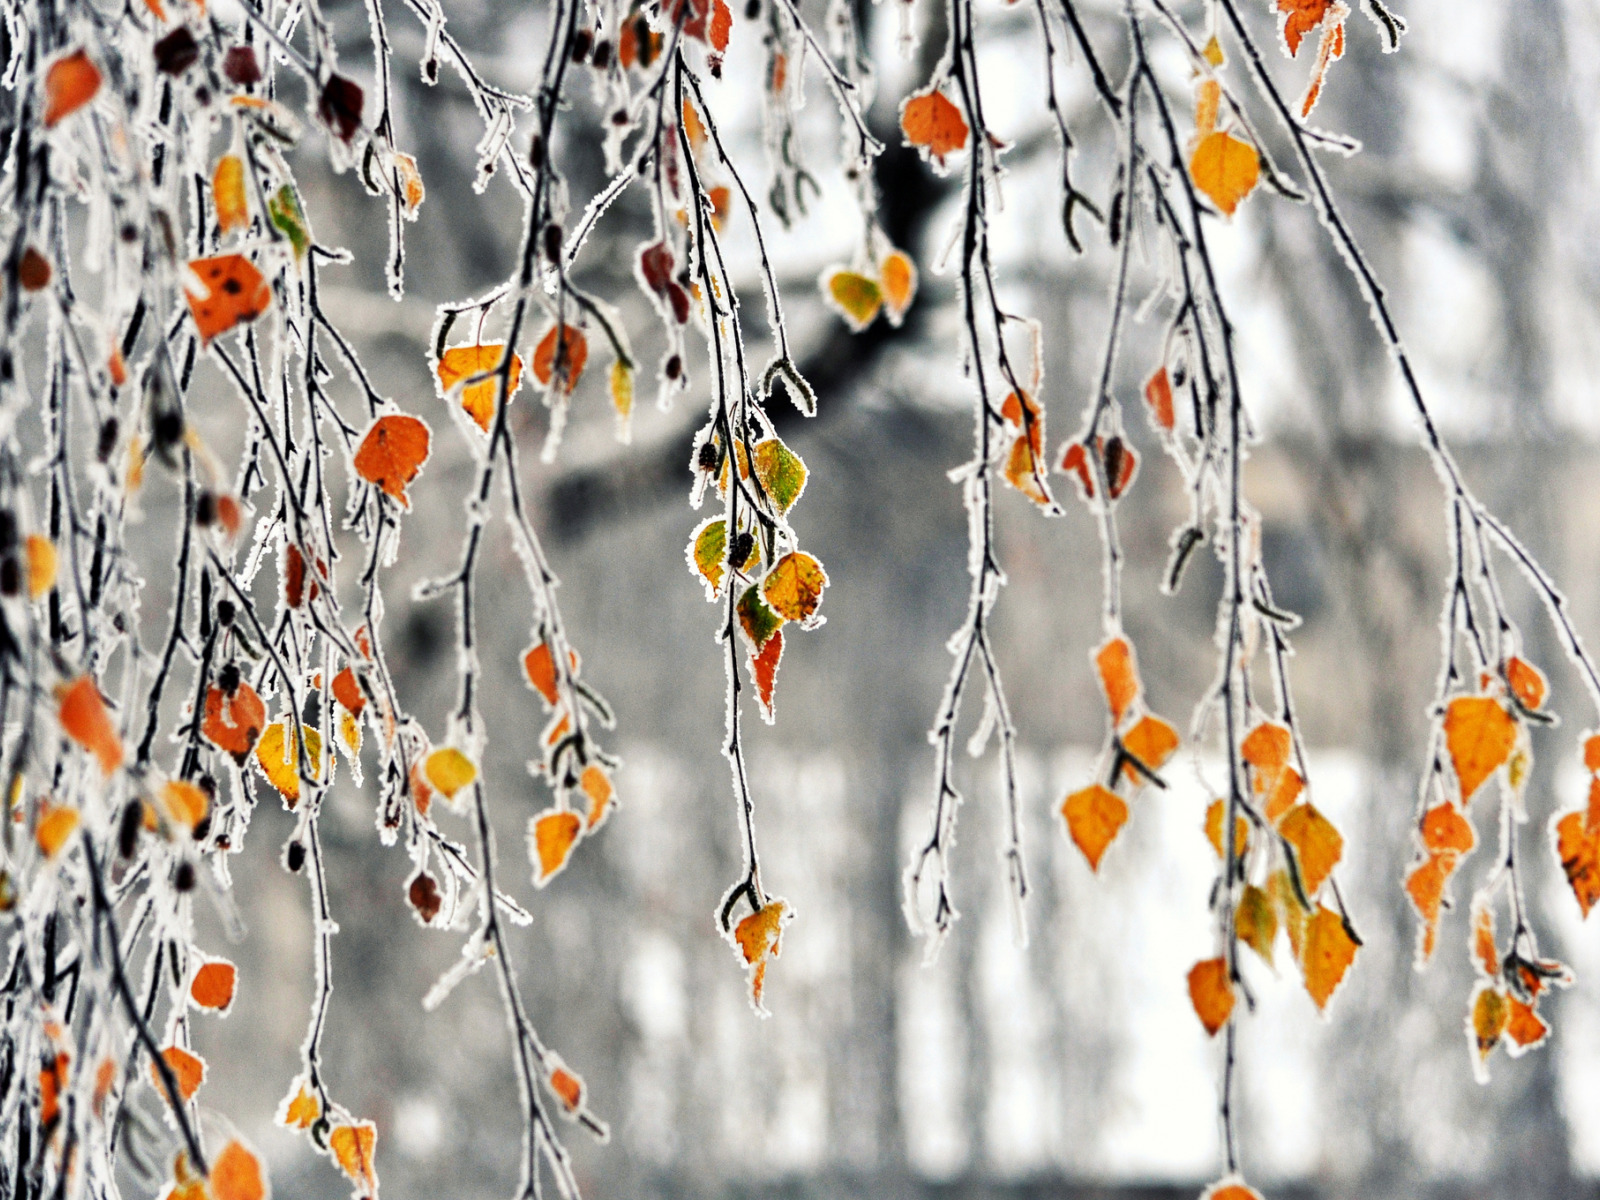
x=551 y=836
x=567 y=1087
x=85 y=719
x=1094 y=815
x=597 y=788
x=1486 y=1021
x=392 y=453
x=759 y=937
x=423 y=894
x=1255 y=921
x=1211 y=993
x=460 y=363
x=1215 y=825
x=1158 y=398
x=236 y=293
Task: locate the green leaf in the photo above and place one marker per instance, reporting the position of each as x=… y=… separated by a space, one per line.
x=758 y=619
x=286 y=213
x=782 y=474
x=708 y=551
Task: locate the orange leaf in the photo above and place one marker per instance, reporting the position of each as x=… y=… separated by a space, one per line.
x=465 y=362
x=898 y=276
x=760 y=937
x=1025 y=472
x=183 y=803
x=412 y=193
x=1329 y=951
x=1094 y=815
x=1225 y=168
x=764 y=667
x=1527 y=682
x=1119 y=675
x=1284 y=794
x=933 y=124
x=54 y=828
x=236 y=1174
x=213 y=985
x=352 y=1147
x=347 y=691
x=562 y=351
x=1266 y=748
x=597 y=787
x=233 y=723
x=1318 y=846
x=1211 y=993
x=235 y=292
x=567 y=1086
x=1230 y=1189
x=1480 y=734
x=69 y=84
x=300 y=1107
x=41 y=558
x=85 y=720
x=1425 y=886
x=1300 y=17
x=1525 y=1028
x=551 y=837
x=1445 y=830
x=1152 y=741
x=1591 y=752
x=1484 y=950
x=33 y=272
x=52 y=1082
x=1158 y=395
x=391 y=454
x=189 y=1069
x=1578 y=848
x=1207 y=99
x=540 y=666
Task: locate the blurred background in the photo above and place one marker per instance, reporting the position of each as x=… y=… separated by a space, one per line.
x=1074 y=1067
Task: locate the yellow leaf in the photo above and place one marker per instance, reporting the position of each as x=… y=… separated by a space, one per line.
x=228 y=194
x=794 y=586
x=352 y=1147
x=1490 y=1012
x=279 y=763
x=854 y=296
x=759 y=937
x=449 y=770
x=460 y=363
x=1225 y=168
x=622 y=393
x=54 y=828
x=300 y=1108
x=708 y=552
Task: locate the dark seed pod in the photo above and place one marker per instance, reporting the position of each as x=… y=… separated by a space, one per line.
x=128 y=828
x=708 y=457
x=552 y=242
x=225 y=613
x=674 y=366
x=581 y=41
x=228 y=678
x=295 y=856
x=202 y=828
x=205 y=509
x=108 y=439
x=10 y=576
x=183 y=877
x=752 y=9
x=8 y=531
x=240 y=66
x=176 y=52
x=536 y=152
x=602 y=55
x=742 y=545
